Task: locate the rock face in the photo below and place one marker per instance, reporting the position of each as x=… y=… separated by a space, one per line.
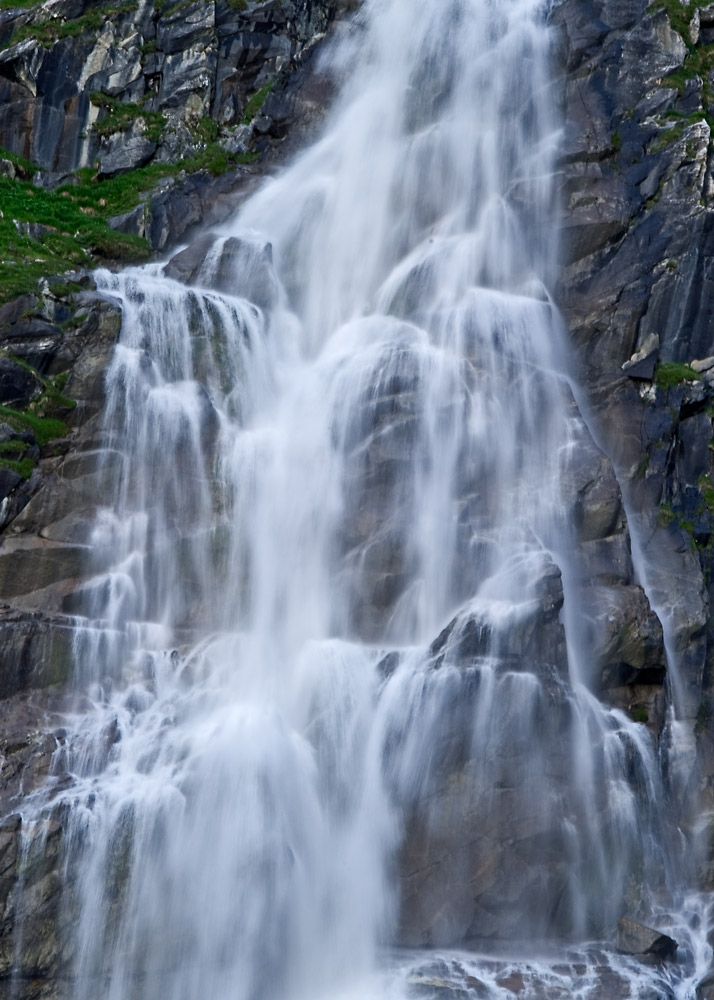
x=637 y=296
x=60 y=86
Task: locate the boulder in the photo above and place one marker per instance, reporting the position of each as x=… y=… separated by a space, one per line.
x=634 y=938
x=233 y=266
x=126 y=151
x=642 y=363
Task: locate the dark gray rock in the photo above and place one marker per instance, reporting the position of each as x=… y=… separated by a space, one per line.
x=625 y=637
x=642 y=363
x=634 y=938
x=126 y=152
x=18 y=385
x=232 y=266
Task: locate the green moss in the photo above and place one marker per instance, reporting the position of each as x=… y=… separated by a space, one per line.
x=23 y=467
x=670 y=373
x=44 y=429
x=25 y=167
x=666 y=138
x=706 y=488
x=51 y=30
x=60 y=288
x=52 y=391
x=640 y=714
x=120 y=117
x=205 y=129
x=256 y=102
x=617 y=142
x=76 y=235
x=666 y=515
x=76 y=216
x=8 y=448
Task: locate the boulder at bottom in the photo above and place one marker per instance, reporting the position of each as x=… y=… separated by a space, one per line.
x=634 y=938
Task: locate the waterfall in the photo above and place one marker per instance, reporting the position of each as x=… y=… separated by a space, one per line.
x=338 y=690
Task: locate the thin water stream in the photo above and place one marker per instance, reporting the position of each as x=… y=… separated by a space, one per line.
x=311 y=478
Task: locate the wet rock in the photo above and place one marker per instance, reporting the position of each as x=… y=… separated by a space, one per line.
x=634 y=938
x=529 y=637
x=705 y=989
x=625 y=636
x=233 y=266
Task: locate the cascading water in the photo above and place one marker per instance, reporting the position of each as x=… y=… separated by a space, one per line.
x=330 y=650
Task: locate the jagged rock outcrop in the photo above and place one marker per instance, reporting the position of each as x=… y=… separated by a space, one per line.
x=124 y=84
x=637 y=291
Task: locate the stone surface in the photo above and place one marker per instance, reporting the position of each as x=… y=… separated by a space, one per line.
x=634 y=938
x=232 y=266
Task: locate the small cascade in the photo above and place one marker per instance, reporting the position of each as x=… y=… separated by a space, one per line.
x=339 y=683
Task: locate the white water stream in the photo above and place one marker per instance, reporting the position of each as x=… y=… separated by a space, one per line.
x=307 y=489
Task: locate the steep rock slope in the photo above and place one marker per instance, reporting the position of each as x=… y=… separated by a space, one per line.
x=637 y=297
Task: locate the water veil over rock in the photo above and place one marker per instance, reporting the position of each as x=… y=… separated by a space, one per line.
x=363 y=660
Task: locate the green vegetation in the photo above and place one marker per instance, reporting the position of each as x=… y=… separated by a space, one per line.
x=640 y=714
x=24 y=167
x=670 y=373
x=53 y=29
x=51 y=386
x=18 y=4
x=44 y=428
x=706 y=488
x=120 y=117
x=74 y=218
x=666 y=138
x=617 y=142
x=699 y=60
x=74 y=233
x=256 y=102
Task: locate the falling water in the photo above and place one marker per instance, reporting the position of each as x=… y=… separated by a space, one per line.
x=330 y=646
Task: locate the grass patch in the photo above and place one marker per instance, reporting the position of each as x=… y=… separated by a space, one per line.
x=51 y=386
x=77 y=236
x=76 y=217
x=256 y=102
x=671 y=373
x=13 y=447
x=49 y=31
x=44 y=429
x=120 y=117
x=205 y=129
x=22 y=466
x=26 y=168
x=671 y=135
